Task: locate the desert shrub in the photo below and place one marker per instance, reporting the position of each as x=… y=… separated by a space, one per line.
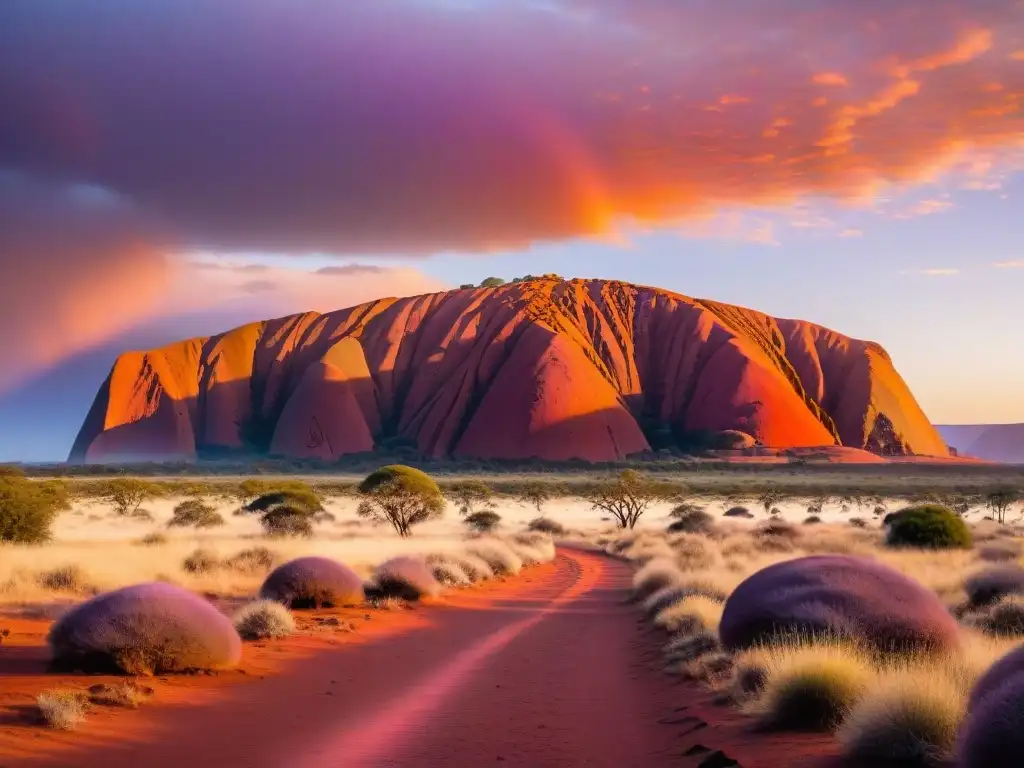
x=687 y=648
x=836 y=596
x=484 y=521
x=693 y=551
x=263 y=619
x=999 y=551
x=313 y=582
x=400 y=496
x=691 y=614
x=300 y=496
x=928 y=526
x=127 y=494
x=536 y=494
x=688 y=518
x=908 y=720
x=749 y=677
x=26 y=513
x=66 y=578
x=153 y=540
x=252 y=560
x=657 y=574
x=144 y=629
x=1005 y=618
x=447 y=572
x=285 y=521
x=193 y=513
x=501 y=559
x=62 y=709
x=546 y=525
x=409 y=578
x=778 y=529
x=682 y=588
x=469 y=496
x=201 y=561
x=812 y=520
x=475 y=567
x=128 y=695
x=987 y=586
x=738 y=512
x=858 y=522
x=813 y=690
x=626 y=497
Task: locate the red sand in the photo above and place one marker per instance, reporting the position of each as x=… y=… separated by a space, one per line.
x=552 y=669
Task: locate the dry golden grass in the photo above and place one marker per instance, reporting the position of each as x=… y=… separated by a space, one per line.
x=691 y=614
x=62 y=709
x=905 y=708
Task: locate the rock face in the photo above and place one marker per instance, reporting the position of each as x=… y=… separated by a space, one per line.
x=593 y=370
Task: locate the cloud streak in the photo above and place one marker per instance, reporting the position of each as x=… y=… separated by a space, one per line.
x=402 y=126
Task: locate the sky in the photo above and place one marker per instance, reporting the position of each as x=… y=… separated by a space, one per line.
x=169 y=163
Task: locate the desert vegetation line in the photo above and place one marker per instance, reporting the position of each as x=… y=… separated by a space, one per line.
x=903 y=640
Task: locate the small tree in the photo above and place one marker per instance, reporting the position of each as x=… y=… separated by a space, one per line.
x=127 y=495
x=193 y=513
x=1000 y=501
x=290 y=512
x=469 y=495
x=536 y=493
x=400 y=496
x=484 y=521
x=628 y=496
x=770 y=498
x=491 y=282
x=26 y=512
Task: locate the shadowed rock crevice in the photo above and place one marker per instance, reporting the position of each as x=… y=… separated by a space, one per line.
x=543 y=368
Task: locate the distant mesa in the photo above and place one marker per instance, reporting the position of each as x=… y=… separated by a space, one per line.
x=541 y=368
x=992 y=442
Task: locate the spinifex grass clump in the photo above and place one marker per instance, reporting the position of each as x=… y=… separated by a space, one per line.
x=409 y=578
x=837 y=596
x=151 y=628
x=313 y=582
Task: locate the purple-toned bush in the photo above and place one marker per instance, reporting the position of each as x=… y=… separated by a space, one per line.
x=989 y=585
x=313 y=582
x=152 y=628
x=407 y=577
x=839 y=596
x=993 y=732
x=1008 y=668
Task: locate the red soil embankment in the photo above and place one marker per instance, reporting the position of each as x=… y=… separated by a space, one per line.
x=552 y=669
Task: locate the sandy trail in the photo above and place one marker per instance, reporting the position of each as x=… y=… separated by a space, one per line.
x=550 y=673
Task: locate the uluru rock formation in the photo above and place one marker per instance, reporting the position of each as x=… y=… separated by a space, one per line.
x=594 y=370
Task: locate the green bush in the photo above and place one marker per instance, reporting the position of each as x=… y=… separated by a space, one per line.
x=26 y=511
x=193 y=513
x=928 y=526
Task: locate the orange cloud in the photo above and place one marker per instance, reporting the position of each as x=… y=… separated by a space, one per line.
x=829 y=78
x=546 y=128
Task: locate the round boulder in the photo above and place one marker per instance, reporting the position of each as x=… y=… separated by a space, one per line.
x=992 y=734
x=313 y=582
x=153 y=628
x=837 y=596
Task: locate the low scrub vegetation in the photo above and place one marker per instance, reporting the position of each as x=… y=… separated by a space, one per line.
x=263 y=620
x=877 y=655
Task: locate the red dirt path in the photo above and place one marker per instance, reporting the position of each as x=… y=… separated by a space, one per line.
x=556 y=670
